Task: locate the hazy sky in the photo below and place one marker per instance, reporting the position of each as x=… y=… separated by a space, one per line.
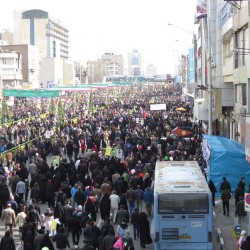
x=99 y=26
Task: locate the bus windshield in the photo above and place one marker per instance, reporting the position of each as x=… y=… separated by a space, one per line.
x=183 y=203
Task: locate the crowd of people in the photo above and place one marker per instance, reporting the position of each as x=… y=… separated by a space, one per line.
x=91 y=193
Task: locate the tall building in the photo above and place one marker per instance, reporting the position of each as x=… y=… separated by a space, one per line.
x=36 y=27
x=134 y=63
x=109 y=64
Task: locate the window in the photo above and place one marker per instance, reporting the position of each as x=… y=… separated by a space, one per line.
x=54 y=48
x=183 y=203
x=241 y=43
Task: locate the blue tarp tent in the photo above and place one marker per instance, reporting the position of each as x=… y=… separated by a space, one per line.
x=227 y=158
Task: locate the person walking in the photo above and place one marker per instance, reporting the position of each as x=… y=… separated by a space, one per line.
x=35 y=193
x=28 y=234
x=121 y=229
x=242 y=184
x=109 y=240
x=87 y=245
x=114 y=205
x=104 y=208
x=225 y=185
x=144 y=230
x=75 y=229
x=61 y=239
x=46 y=242
x=148 y=199
x=238 y=193
x=131 y=200
x=21 y=189
x=20 y=219
x=240 y=211
x=7 y=242
x=242 y=238
x=225 y=197
x=138 y=198
x=97 y=193
x=67 y=215
x=8 y=217
x=213 y=190
x=121 y=214
x=134 y=222
x=128 y=241
x=38 y=238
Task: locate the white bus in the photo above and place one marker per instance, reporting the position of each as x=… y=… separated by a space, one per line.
x=183 y=211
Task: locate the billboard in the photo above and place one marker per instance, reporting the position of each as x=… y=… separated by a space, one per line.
x=201 y=8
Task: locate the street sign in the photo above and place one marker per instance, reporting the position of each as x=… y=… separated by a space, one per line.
x=247 y=202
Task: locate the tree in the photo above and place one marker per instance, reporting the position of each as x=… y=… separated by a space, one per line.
x=52 y=108
x=4 y=117
x=91 y=102
x=60 y=116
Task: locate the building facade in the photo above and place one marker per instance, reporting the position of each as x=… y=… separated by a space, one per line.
x=109 y=64
x=222 y=70
x=36 y=27
x=10 y=69
x=30 y=64
x=134 y=63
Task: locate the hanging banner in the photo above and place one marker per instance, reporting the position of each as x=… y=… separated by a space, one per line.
x=30 y=93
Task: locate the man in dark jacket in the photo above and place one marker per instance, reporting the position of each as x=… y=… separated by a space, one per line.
x=225 y=197
x=87 y=245
x=238 y=193
x=61 y=239
x=75 y=229
x=38 y=238
x=28 y=233
x=67 y=215
x=130 y=196
x=138 y=198
x=79 y=197
x=225 y=185
x=240 y=211
x=122 y=213
x=105 y=207
x=109 y=240
x=7 y=241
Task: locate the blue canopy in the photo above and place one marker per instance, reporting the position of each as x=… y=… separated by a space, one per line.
x=225 y=158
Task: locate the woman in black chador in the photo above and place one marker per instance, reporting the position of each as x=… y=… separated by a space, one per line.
x=144 y=230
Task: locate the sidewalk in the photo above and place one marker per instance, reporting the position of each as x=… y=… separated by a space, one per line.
x=225 y=224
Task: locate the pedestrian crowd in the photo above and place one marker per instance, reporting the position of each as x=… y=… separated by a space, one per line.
x=101 y=179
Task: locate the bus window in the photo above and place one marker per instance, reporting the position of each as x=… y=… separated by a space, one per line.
x=183 y=203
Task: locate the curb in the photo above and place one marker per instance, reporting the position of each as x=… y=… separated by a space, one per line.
x=220 y=239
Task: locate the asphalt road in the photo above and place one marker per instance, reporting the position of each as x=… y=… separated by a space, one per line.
x=224 y=223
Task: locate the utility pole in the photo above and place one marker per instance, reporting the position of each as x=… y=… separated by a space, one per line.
x=209 y=79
